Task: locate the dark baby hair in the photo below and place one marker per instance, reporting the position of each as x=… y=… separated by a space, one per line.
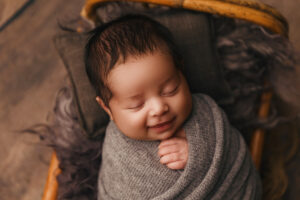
x=131 y=35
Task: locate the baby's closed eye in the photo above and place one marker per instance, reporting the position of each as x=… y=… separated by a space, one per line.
x=169 y=91
x=171 y=87
x=135 y=106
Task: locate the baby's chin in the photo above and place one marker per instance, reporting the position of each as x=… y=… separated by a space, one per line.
x=152 y=137
x=149 y=134
x=163 y=136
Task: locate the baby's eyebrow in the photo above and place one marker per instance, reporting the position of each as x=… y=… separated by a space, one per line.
x=169 y=79
x=166 y=81
x=134 y=97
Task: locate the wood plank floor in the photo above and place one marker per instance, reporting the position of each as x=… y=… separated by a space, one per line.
x=31 y=72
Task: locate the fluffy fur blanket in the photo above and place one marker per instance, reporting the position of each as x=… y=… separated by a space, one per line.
x=219 y=165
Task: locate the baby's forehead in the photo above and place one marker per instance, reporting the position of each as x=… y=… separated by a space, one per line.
x=141 y=71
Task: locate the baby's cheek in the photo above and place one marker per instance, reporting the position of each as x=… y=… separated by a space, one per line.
x=183 y=108
x=187 y=101
x=140 y=120
x=135 y=127
x=183 y=103
x=134 y=120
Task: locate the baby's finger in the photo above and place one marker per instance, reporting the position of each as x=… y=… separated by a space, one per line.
x=168 y=149
x=168 y=142
x=176 y=165
x=173 y=157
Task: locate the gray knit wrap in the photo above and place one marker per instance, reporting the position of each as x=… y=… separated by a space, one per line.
x=219 y=165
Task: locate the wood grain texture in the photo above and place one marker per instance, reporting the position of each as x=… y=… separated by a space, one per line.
x=10 y=8
x=31 y=72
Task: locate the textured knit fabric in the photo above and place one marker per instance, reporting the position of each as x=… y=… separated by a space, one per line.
x=219 y=165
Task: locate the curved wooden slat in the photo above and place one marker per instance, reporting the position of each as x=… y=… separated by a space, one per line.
x=260 y=6
x=50 y=190
x=248 y=10
x=257 y=140
x=239 y=12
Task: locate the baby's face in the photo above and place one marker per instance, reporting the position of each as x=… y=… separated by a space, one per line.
x=151 y=98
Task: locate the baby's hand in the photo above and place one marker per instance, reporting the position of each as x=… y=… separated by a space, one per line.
x=173 y=152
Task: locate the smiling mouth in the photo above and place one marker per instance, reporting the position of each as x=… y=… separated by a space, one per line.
x=162 y=126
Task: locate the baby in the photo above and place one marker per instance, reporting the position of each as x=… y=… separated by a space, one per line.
x=137 y=73
x=141 y=87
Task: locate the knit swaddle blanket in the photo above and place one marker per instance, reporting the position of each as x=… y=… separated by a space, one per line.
x=219 y=165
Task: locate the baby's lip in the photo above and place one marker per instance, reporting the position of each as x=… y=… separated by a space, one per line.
x=162 y=123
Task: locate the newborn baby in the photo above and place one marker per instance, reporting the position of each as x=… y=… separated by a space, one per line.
x=161 y=142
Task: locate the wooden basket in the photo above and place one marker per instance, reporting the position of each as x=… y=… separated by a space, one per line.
x=249 y=10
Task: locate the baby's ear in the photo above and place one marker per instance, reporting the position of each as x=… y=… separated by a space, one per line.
x=105 y=108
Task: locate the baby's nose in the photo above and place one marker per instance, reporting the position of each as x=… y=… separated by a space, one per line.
x=159 y=107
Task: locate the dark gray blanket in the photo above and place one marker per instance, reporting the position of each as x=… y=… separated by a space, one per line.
x=219 y=164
